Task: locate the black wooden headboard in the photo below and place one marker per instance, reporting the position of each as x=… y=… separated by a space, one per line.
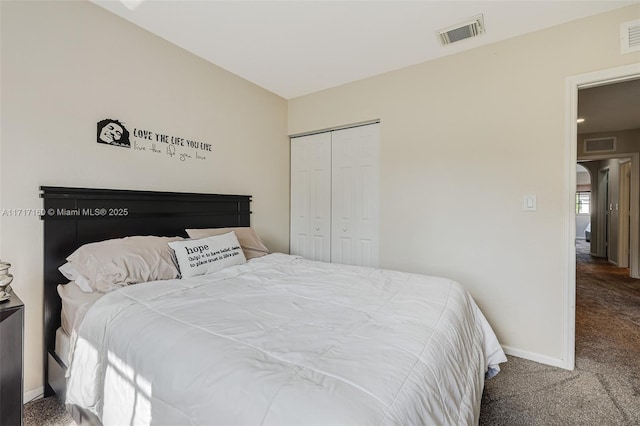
x=76 y=216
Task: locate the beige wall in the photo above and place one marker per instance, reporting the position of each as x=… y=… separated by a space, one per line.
x=471 y=134
x=583 y=181
x=66 y=65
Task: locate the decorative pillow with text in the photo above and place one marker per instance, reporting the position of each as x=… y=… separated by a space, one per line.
x=207 y=255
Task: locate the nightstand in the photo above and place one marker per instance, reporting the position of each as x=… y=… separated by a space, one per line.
x=11 y=351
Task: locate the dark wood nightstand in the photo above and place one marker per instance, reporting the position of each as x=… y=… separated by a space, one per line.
x=11 y=352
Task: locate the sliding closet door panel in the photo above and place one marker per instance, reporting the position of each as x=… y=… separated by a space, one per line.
x=300 y=213
x=355 y=195
x=311 y=197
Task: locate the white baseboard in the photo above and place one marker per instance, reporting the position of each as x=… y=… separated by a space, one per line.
x=33 y=394
x=531 y=356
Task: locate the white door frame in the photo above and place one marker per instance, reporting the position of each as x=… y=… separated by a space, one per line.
x=598 y=78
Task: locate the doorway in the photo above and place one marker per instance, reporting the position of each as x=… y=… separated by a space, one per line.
x=603 y=204
x=594 y=79
x=604 y=210
x=625 y=215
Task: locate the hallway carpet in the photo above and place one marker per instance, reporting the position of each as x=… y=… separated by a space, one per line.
x=604 y=389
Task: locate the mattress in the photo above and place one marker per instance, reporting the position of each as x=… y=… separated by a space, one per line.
x=63 y=345
x=283 y=340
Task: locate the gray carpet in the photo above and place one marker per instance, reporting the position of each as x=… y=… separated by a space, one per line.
x=46 y=412
x=604 y=389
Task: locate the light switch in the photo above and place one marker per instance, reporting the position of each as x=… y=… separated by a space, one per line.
x=530 y=203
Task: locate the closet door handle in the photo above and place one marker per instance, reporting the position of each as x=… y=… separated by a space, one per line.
x=344 y=229
x=317 y=228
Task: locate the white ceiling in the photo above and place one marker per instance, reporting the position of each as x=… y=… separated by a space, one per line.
x=293 y=48
x=610 y=108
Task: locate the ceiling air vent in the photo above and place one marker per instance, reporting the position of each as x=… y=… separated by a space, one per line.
x=630 y=37
x=600 y=145
x=471 y=28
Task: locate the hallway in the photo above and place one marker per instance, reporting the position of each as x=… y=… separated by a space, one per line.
x=607 y=316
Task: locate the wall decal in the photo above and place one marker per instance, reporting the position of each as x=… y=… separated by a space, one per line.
x=113 y=132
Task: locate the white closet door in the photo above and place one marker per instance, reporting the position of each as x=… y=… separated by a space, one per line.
x=310 y=235
x=355 y=195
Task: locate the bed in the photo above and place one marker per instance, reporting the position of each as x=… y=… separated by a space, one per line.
x=274 y=340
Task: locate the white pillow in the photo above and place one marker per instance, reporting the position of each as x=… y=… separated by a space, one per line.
x=207 y=255
x=72 y=274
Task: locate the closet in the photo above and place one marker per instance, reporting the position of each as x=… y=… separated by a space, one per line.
x=335 y=195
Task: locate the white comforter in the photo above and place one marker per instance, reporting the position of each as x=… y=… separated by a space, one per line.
x=283 y=340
